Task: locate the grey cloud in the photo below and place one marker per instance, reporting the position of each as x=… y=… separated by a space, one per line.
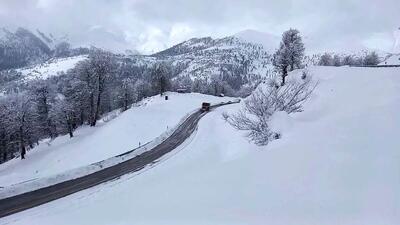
x=150 y=25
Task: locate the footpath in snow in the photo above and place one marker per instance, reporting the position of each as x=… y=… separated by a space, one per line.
x=338 y=162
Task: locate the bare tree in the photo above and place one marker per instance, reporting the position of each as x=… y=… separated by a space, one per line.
x=259 y=107
x=103 y=65
x=21 y=120
x=127 y=94
x=43 y=96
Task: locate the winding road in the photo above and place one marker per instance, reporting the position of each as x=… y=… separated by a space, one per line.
x=41 y=196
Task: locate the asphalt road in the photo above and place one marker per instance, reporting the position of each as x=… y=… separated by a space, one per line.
x=34 y=198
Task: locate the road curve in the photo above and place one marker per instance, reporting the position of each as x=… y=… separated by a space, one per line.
x=41 y=196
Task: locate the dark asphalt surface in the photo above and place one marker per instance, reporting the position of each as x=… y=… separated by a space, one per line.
x=41 y=196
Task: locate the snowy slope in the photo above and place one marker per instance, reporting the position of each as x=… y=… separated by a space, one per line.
x=392 y=60
x=139 y=124
x=202 y=58
x=51 y=67
x=337 y=163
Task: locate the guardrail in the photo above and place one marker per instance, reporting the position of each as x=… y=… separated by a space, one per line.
x=127 y=163
x=38 y=183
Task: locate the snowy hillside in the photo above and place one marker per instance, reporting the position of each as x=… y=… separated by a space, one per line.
x=21 y=48
x=393 y=59
x=51 y=67
x=201 y=58
x=141 y=124
x=337 y=163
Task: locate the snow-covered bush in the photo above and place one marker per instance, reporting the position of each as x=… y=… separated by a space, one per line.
x=265 y=101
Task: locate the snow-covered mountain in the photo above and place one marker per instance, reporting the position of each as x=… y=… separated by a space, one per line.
x=51 y=40
x=242 y=59
x=51 y=67
x=21 y=48
x=229 y=57
x=26 y=48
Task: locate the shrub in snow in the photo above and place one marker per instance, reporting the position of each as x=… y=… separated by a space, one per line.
x=264 y=102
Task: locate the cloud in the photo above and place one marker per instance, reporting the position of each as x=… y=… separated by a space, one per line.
x=151 y=25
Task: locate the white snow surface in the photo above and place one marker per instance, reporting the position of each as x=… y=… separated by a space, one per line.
x=51 y=68
x=392 y=60
x=65 y=158
x=338 y=162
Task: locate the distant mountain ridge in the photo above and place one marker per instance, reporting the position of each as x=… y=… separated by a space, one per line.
x=21 y=48
x=231 y=59
x=24 y=48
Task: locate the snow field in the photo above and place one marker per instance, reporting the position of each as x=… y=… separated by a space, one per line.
x=338 y=162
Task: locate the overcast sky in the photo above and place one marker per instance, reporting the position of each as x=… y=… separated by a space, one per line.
x=151 y=25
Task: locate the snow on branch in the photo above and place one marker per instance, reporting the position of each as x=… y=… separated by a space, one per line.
x=254 y=117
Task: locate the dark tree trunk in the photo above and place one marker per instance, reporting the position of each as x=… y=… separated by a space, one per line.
x=70 y=126
x=284 y=75
x=71 y=134
x=91 y=117
x=22 y=143
x=23 y=151
x=97 y=112
x=126 y=101
x=81 y=116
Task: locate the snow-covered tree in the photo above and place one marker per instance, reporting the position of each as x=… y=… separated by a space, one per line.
x=336 y=61
x=371 y=59
x=127 y=94
x=63 y=113
x=326 y=60
x=160 y=76
x=265 y=101
x=42 y=96
x=22 y=121
x=290 y=53
x=348 y=60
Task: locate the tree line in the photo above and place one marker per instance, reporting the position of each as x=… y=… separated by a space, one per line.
x=368 y=59
x=32 y=111
x=36 y=110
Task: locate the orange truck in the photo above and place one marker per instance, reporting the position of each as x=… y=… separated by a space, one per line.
x=205 y=106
